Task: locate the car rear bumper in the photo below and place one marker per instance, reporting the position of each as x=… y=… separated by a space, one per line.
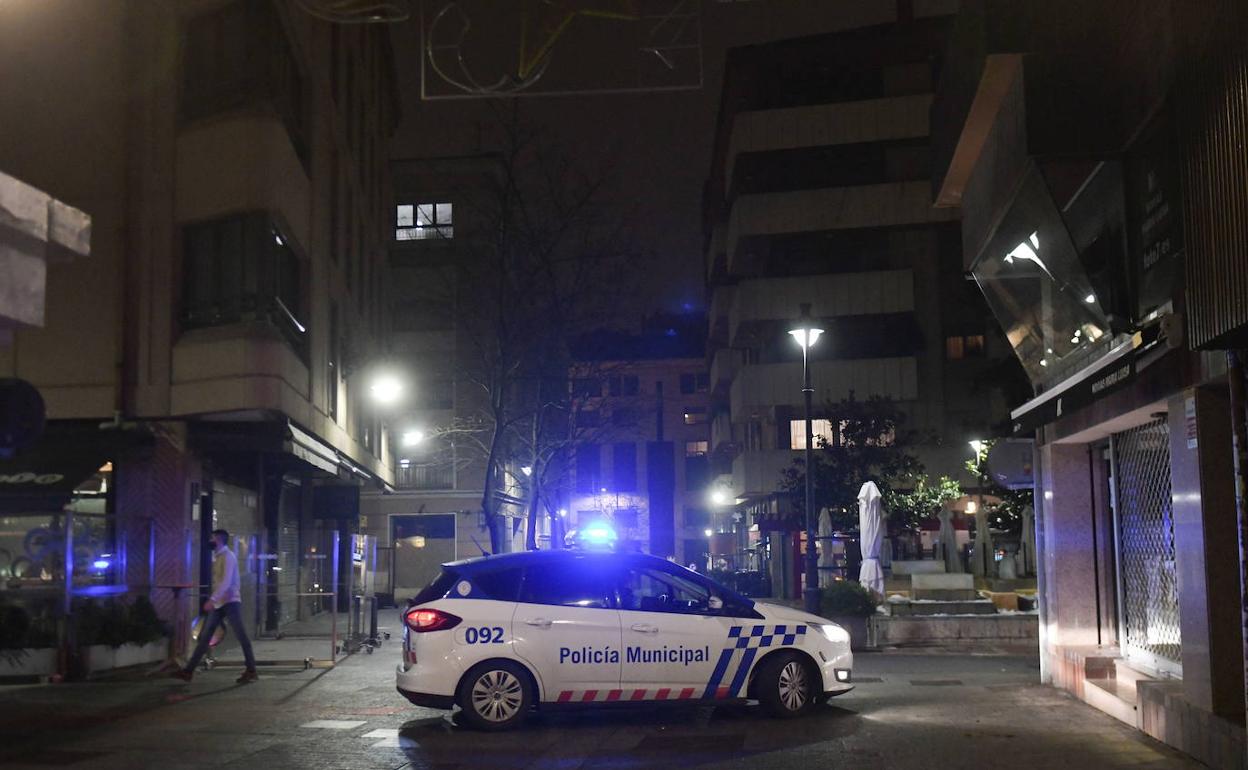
x=428 y=700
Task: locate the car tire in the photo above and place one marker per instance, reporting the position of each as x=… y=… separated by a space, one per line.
x=495 y=695
x=787 y=686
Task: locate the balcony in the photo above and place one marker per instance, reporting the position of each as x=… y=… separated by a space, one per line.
x=759 y=386
x=829 y=208
x=425 y=477
x=721 y=431
x=724 y=366
x=758 y=472
x=715 y=264
x=761 y=303
x=821 y=125
x=717 y=316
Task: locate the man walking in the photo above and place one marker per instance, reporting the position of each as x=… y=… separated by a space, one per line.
x=225 y=604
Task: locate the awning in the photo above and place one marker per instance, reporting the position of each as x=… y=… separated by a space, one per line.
x=1111 y=372
x=44 y=476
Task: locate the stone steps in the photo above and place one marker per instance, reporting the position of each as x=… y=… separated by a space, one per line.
x=972 y=607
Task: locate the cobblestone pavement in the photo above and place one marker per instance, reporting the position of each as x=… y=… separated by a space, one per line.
x=908 y=711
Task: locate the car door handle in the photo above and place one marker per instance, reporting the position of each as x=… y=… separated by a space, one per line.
x=645 y=628
x=539 y=622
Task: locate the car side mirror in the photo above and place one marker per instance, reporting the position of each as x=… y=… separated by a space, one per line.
x=715 y=603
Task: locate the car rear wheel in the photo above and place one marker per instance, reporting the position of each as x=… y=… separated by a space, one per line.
x=495 y=695
x=787 y=686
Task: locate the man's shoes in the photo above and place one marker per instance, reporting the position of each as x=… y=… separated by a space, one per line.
x=248 y=677
x=184 y=675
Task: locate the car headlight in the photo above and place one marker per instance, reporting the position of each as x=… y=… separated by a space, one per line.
x=834 y=633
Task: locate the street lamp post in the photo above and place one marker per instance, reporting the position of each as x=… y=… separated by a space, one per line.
x=806 y=333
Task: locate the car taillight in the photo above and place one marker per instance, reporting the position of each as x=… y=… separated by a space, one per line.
x=422 y=620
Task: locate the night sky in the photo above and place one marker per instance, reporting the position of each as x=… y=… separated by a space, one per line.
x=660 y=141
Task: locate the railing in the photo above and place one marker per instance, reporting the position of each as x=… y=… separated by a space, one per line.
x=425 y=477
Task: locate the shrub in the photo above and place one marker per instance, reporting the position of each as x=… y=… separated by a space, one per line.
x=115 y=623
x=846 y=597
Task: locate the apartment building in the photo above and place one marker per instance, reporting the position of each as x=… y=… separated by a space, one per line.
x=819 y=193
x=438 y=226
x=206 y=365
x=640 y=460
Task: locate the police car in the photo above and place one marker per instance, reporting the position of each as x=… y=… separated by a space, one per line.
x=501 y=635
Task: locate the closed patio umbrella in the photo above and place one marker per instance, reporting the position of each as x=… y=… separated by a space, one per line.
x=827 y=559
x=984 y=564
x=1028 y=541
x=949 y=542
x=871 y=529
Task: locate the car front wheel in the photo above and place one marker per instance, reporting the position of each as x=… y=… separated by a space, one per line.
x=787 y=686
x=495 y=695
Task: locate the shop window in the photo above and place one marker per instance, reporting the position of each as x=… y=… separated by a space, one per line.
x=423 y=221
x=237 y=56
x=695 y=415
x=242 y=268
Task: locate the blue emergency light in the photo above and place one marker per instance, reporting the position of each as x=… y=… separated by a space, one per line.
x=595 y=535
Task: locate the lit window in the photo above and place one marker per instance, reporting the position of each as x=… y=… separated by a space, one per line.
x=422 y=221
x=695 y=415
x=969 y=346
x=821 y=430
x=696 y=448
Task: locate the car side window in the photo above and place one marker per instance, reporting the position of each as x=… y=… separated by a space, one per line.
x=578 y=583
x=501 y=584
x=651 y=590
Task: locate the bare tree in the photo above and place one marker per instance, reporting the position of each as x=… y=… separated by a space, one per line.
x=547 y=259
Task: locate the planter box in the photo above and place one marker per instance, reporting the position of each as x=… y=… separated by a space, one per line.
x=860 y=637
x=101 y=657
x=36 y=661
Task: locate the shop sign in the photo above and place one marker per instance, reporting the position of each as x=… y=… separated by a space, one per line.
x=1154 y=213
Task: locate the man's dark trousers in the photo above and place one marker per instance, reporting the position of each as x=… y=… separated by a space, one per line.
x=231 y=613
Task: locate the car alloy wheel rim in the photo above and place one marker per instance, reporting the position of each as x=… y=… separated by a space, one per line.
x=793 y=685
x=496 y=695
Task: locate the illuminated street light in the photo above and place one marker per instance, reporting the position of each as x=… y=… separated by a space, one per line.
x=709 y=533
x=719 y=497
x=413 y=437
x=386 y=389
x=978 y=446
x=527 y=470
x=807 y=333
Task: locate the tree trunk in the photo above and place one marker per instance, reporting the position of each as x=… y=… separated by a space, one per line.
x=535 y=488
x=489 y=496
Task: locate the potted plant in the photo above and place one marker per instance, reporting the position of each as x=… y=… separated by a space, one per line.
x=113 y=634
x=26 y=644
x=850 y=606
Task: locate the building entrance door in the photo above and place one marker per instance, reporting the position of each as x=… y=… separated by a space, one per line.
x=422 y=544
x=1144 y=534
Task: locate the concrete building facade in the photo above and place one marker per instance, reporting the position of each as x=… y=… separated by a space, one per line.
x=819 y=194
x=207 y=364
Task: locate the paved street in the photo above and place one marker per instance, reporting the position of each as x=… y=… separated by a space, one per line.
x=909 y=711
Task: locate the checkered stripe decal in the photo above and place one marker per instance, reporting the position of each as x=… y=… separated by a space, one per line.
x=737 y=656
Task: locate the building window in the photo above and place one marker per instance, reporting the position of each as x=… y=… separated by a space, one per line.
x=626 y=385
x=697 y=448
x=821 y=433
x=437 y=394
x=332 y=365
x=587 y=418
x=967 y=346
x=238 y=56
x=695 y=415
x=422 y=221
x=586 y=387
x=588 y=468
x=697 y=472
x=697 y=517
x=623 y=417
x=692 y=382
x=624 y=467
x=242 y=268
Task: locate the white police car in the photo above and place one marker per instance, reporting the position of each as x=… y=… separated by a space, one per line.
x=501 y=635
